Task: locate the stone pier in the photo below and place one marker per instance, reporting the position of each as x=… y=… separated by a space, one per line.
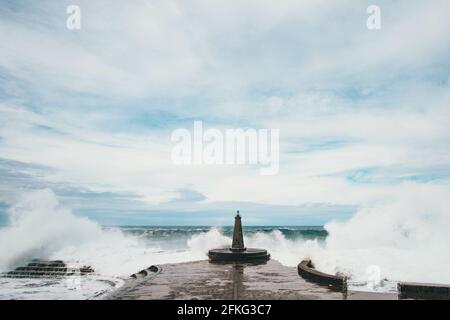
x=232 y=281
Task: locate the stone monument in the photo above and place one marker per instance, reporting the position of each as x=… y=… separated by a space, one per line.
x=238 y=236
x=238 y=252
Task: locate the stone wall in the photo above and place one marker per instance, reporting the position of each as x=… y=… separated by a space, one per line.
x=414 y=290
x=306 y=271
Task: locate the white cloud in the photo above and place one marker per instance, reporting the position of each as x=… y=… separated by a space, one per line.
x=344 y=98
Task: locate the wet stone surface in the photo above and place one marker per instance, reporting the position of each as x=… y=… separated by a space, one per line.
x=39 y=268
x=235 y=281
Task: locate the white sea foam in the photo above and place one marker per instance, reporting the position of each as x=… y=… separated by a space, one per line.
x=406 y=239
x=41 y=228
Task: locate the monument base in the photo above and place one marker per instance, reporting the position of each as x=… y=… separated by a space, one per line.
x=248 y=255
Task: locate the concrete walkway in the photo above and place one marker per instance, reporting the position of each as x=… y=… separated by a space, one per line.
x=204 y=280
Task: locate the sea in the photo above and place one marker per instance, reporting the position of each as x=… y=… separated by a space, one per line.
x=376 y=248
x=117 y=252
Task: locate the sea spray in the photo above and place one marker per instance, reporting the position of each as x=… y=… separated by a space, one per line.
x=406 y=239
x=39 y=227
x=204 y=241
x=287 y=251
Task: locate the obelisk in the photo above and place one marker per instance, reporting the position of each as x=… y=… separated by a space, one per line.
x=238 y=252
x=238 y=236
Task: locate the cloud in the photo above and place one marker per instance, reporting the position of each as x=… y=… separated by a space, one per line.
x=188 y=195
x=362 y=114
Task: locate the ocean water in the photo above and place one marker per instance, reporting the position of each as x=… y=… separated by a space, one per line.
x=121 y=251
x=406 y=240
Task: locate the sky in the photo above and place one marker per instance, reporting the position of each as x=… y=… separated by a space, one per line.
x=363 y=115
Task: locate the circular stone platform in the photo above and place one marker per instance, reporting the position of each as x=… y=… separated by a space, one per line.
x=249 y=254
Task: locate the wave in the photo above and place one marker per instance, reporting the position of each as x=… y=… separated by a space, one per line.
x=405 y=240
x=42 y=228
x=150 y=232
